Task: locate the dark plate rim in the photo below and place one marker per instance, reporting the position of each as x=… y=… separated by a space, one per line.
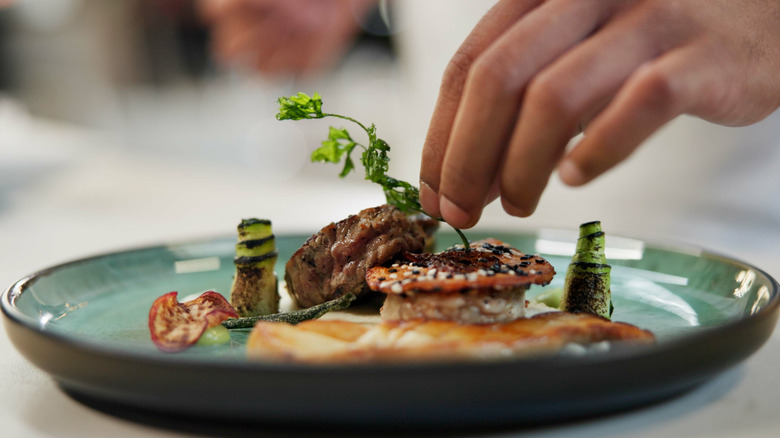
x=768 y=311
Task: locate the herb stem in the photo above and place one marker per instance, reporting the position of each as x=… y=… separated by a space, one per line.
x=463 y=239
x=346 y=118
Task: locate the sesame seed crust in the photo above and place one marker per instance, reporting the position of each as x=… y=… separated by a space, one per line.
x=491 y=264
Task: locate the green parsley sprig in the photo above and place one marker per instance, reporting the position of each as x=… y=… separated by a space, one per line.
x=340 y=145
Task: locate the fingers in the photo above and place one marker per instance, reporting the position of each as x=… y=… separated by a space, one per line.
x=213 y=10
x=564 y=95
x=508 y=108
x=290 y=37
x=492 y=95
x=503 y=15
x=657 y=92
x=242 y=32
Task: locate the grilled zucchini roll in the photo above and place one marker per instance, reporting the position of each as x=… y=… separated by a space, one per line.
x=254 y=290
x=587 y=284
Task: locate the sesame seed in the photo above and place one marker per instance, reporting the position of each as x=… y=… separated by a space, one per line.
x=396 y=287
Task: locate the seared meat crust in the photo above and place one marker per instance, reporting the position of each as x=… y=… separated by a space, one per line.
x=334 y=261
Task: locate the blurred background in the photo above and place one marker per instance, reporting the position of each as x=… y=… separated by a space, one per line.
x=119 y=128
x=122 y=124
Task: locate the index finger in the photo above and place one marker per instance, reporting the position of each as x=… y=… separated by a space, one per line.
x=495 y=22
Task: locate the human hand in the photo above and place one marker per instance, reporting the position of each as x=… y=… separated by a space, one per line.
x=532 y=73
x=283 y=37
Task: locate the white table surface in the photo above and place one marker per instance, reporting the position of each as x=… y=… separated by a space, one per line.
x=67 y=193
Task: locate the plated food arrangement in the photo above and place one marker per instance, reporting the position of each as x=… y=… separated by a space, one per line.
x=368 y=306
x=460 y=303
x=84 y=324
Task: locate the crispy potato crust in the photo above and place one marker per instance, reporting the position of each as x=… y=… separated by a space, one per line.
x=346 y=342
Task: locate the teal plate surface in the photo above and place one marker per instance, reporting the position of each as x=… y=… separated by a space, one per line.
x=85 y=323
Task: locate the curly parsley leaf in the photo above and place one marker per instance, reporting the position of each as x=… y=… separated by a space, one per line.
x=402 y=194
x=299 y=107
x=376 y=161
x=338 y=144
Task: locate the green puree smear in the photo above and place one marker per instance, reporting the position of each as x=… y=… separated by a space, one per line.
x=214 y=336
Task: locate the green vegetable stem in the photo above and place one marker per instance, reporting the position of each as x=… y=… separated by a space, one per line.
x=293 y=317
x=340 y=145
x=587 y=284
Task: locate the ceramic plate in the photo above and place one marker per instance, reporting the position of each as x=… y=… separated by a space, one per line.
x=85 y=323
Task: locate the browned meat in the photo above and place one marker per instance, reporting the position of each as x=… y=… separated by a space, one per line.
x=334 y=261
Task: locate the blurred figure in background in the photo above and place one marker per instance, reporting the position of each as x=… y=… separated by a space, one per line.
x=290 y=37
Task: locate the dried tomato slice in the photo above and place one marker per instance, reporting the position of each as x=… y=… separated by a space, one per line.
x=176 y=326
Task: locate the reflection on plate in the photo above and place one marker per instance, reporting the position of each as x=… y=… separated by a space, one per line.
x=85 y=323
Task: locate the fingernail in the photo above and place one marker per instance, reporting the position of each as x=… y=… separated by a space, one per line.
x=454 y=215
x=570 y=173
x=513 y=210
x=429 y=200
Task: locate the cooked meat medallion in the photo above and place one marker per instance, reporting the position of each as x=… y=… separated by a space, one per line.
x=334 y=261
x=486 y=284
